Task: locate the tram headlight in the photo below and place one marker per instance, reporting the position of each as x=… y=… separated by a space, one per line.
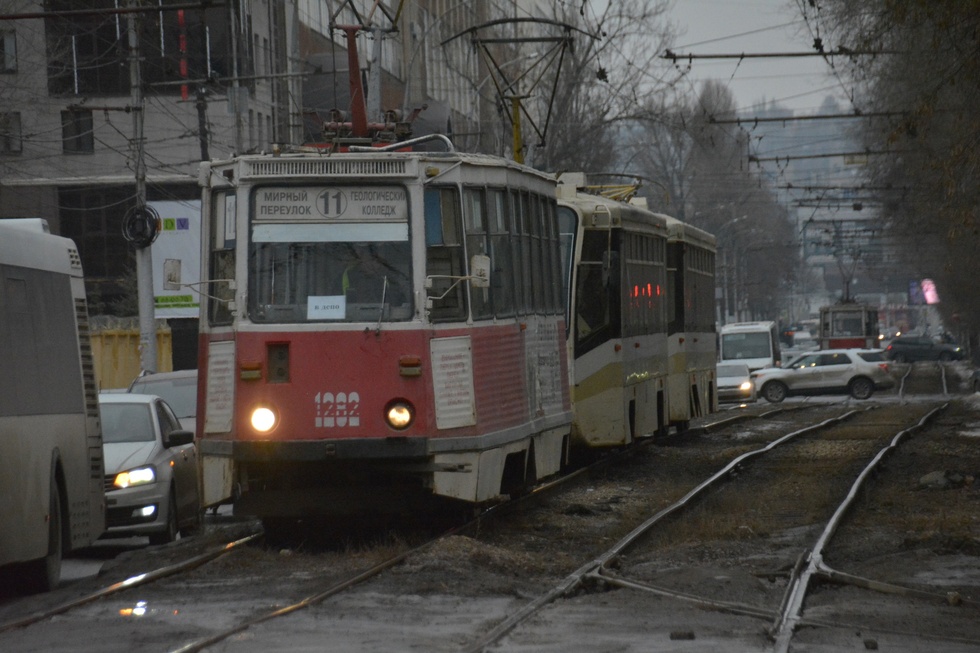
x=263 y=419
x=137 y=476
x=399 y=414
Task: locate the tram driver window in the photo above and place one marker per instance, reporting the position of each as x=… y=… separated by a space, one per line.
x=597 y=298
x=221 y=267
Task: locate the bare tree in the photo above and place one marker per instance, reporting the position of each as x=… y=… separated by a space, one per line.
x=924 y=86
x=608 y=83
x=702 y=165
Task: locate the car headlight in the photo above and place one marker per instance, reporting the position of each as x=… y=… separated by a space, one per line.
x=746 y=385
x=399 y=414
x=138 y=476
x=264 y=419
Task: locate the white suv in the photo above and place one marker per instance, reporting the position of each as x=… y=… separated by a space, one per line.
x=858 y=372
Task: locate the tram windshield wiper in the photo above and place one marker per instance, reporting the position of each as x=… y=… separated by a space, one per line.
x=381 y=309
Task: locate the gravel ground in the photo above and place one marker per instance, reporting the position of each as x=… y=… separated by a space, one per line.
x=924 y=537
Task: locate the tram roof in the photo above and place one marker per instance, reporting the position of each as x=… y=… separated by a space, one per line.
x=689 y=233
x=621 y=214
x=366 y=164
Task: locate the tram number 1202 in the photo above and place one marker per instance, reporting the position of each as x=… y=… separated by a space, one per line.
x=337 y=410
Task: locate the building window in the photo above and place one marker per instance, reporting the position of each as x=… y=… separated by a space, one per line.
x=8 y=52
x=76 y=132
x=10 y=133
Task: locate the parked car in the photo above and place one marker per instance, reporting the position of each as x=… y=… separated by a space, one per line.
x=735 y=383
x=858 y=372
x=178 y=389
x=905 y=349
x=151 y=473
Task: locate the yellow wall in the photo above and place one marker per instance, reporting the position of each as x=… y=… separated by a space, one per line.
x=117 y=355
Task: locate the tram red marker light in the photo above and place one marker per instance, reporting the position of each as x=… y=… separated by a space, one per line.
x=410 y=366
x=250 y=371
x=636 y=345
x=618 y=347
x=523 y=326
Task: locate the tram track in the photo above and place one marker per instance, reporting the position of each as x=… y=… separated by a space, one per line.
x=495 y=512
x=603 y=490
x=145 y=577
x=605 y=569
x=599 y=567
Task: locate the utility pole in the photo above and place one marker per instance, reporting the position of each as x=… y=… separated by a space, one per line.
x=374 y=70
x=202 y=121
x=144 y=258
x=237 y=104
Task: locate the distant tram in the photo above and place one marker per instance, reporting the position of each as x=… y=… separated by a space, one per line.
x=848 y=326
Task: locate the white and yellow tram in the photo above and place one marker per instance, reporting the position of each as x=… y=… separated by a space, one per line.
x=639 y=289
x=691 y=342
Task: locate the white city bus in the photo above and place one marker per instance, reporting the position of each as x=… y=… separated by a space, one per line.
x=51 y=471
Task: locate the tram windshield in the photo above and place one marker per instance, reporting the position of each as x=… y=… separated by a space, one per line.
x=329 y=272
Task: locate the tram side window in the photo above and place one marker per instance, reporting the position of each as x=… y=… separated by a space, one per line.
x=444 y=254
x=644 y=313
x=475 y=222
x=520 y=233
x=700 y=274
x=545 y=254
x=567 y=228
x=675 y=281
x=502 y=276
x=597 y=292
x=538 y=278
x=553 y=244
x=221 y=266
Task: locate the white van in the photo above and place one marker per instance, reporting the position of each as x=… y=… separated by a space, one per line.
x=754 y=343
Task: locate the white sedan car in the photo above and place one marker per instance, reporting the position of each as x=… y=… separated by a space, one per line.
x=858 y=372
x=735 y=383
x=151 y=475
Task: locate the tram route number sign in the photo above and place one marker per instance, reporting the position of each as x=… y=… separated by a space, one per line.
x=341 y=203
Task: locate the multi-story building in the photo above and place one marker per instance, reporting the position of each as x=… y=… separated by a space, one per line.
x=206 y=81
x=94 y=93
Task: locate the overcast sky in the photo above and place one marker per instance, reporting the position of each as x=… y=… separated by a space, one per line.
x=754 y=26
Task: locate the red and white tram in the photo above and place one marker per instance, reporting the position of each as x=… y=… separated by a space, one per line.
x=848 y=325
x=379 y=327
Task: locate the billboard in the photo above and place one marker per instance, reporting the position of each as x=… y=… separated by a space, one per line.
x=923 y=292
x=177 y=247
